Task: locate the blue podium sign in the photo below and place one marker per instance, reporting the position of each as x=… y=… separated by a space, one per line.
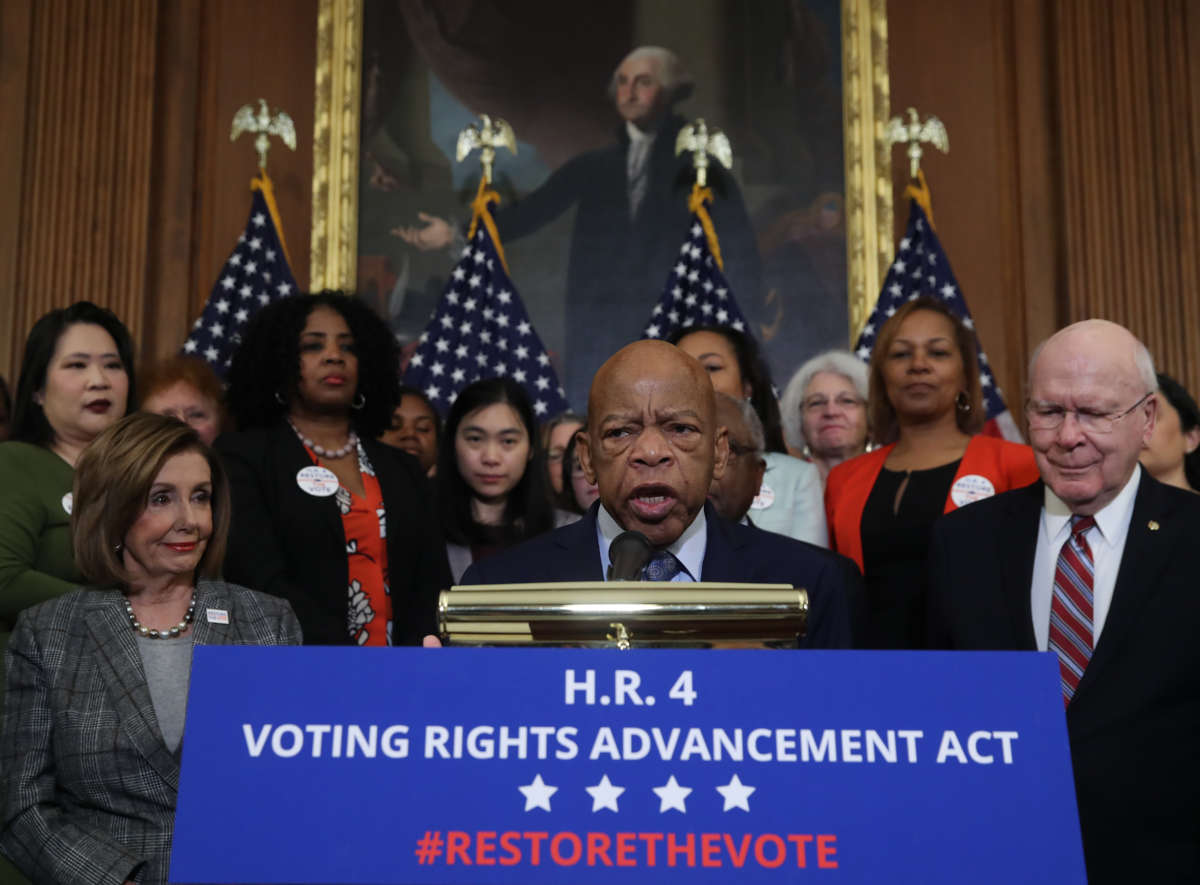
x=567 y=765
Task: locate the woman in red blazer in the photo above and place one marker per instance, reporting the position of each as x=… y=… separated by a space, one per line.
x=926 y=407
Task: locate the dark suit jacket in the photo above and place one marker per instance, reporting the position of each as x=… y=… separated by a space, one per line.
x=1134 y=718
x=290 y=544
x=87 y=783
x=734 y=553
x=618 y=265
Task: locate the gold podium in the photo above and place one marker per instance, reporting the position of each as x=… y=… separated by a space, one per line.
x=624 y=614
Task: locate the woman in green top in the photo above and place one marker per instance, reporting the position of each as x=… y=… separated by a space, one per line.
x=76 y=380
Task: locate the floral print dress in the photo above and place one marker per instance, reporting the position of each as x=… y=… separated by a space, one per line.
x=364 y=520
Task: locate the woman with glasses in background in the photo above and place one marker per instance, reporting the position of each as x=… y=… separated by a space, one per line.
x=824 y=410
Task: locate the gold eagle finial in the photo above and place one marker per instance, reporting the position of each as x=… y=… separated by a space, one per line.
x=264 y=124
x=912 y=133
x=487 y=137
x=701 y=141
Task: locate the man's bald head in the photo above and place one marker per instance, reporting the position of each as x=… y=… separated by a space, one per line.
x=646 y=360
x=652 y=443
x=1091 y=409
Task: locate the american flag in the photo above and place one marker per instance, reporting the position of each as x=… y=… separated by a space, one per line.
x=921 y=268
x=256 y=274
x=696 y=293
x=479 y=329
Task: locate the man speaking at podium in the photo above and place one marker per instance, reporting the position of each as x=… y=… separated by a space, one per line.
x=652 y=445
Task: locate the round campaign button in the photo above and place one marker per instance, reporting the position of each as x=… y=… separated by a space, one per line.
x=971 y=487
x=68 y=500
x=320 y=482
x=764 y=499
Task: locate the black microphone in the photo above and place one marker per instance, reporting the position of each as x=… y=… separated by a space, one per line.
x=628 y=555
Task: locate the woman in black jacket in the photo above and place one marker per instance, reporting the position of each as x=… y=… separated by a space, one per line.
x=323 y=514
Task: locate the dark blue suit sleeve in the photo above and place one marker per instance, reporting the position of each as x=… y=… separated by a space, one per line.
x=829 y=602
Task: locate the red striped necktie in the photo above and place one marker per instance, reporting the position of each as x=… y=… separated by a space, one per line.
x=1071 y=608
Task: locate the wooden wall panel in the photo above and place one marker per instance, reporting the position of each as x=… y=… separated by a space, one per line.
x=125 y=187
x=1127 y=109
x=981 y=68
x=86 y=159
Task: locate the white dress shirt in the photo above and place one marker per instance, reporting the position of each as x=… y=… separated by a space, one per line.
x=1107 y=542
x=688 y=548
x=636 y=160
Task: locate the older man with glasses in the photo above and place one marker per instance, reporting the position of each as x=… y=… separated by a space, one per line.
x=1097 y=564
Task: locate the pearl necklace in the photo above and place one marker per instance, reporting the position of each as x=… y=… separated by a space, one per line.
x=172 y=633
x=320 y=451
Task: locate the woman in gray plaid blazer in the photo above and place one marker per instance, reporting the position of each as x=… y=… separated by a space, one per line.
x=97 y=679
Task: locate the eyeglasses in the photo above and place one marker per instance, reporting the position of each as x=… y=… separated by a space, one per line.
x=843 y=401
x=1048 y=416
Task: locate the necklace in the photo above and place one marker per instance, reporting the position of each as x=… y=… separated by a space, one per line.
x=172 y=633
x=322 y=452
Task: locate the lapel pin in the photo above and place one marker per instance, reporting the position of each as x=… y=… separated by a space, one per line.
x=217 y=616
x=1152 y=525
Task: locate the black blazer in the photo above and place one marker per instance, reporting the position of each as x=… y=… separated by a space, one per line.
x=291 y=544
x=734 y=553
x=1133 y=720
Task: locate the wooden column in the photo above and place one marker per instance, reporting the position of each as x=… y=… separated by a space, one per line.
x=1128 y=96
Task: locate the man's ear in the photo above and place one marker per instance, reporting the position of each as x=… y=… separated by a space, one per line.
x=583 y=449
x=720 y=451
x=1151 y=408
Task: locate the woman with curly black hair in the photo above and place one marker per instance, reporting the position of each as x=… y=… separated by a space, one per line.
x=492 y=488
x=318 y=503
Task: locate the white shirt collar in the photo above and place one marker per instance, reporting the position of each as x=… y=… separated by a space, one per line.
x=689 y=548
x=637 y=136
x=1112 y=519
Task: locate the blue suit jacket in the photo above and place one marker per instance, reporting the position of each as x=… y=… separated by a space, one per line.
x=734 y=553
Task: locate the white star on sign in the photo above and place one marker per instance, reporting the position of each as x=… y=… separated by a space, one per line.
x=653 y=331
x=222 y=306
x=211 y=354
x=259 y=220
x=736 y=794
x=672 y=796
x=540 y=408
x=604 y=795
x=189 y=346
x=905 y=244
x=255 y=244
x=899 y=266
x=227 y=283
x=697 y=230
x=537 y=794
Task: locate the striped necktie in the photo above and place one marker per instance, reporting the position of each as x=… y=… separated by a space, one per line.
x=1071 y=608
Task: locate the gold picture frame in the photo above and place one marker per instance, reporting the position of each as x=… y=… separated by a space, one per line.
x=868 y=198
